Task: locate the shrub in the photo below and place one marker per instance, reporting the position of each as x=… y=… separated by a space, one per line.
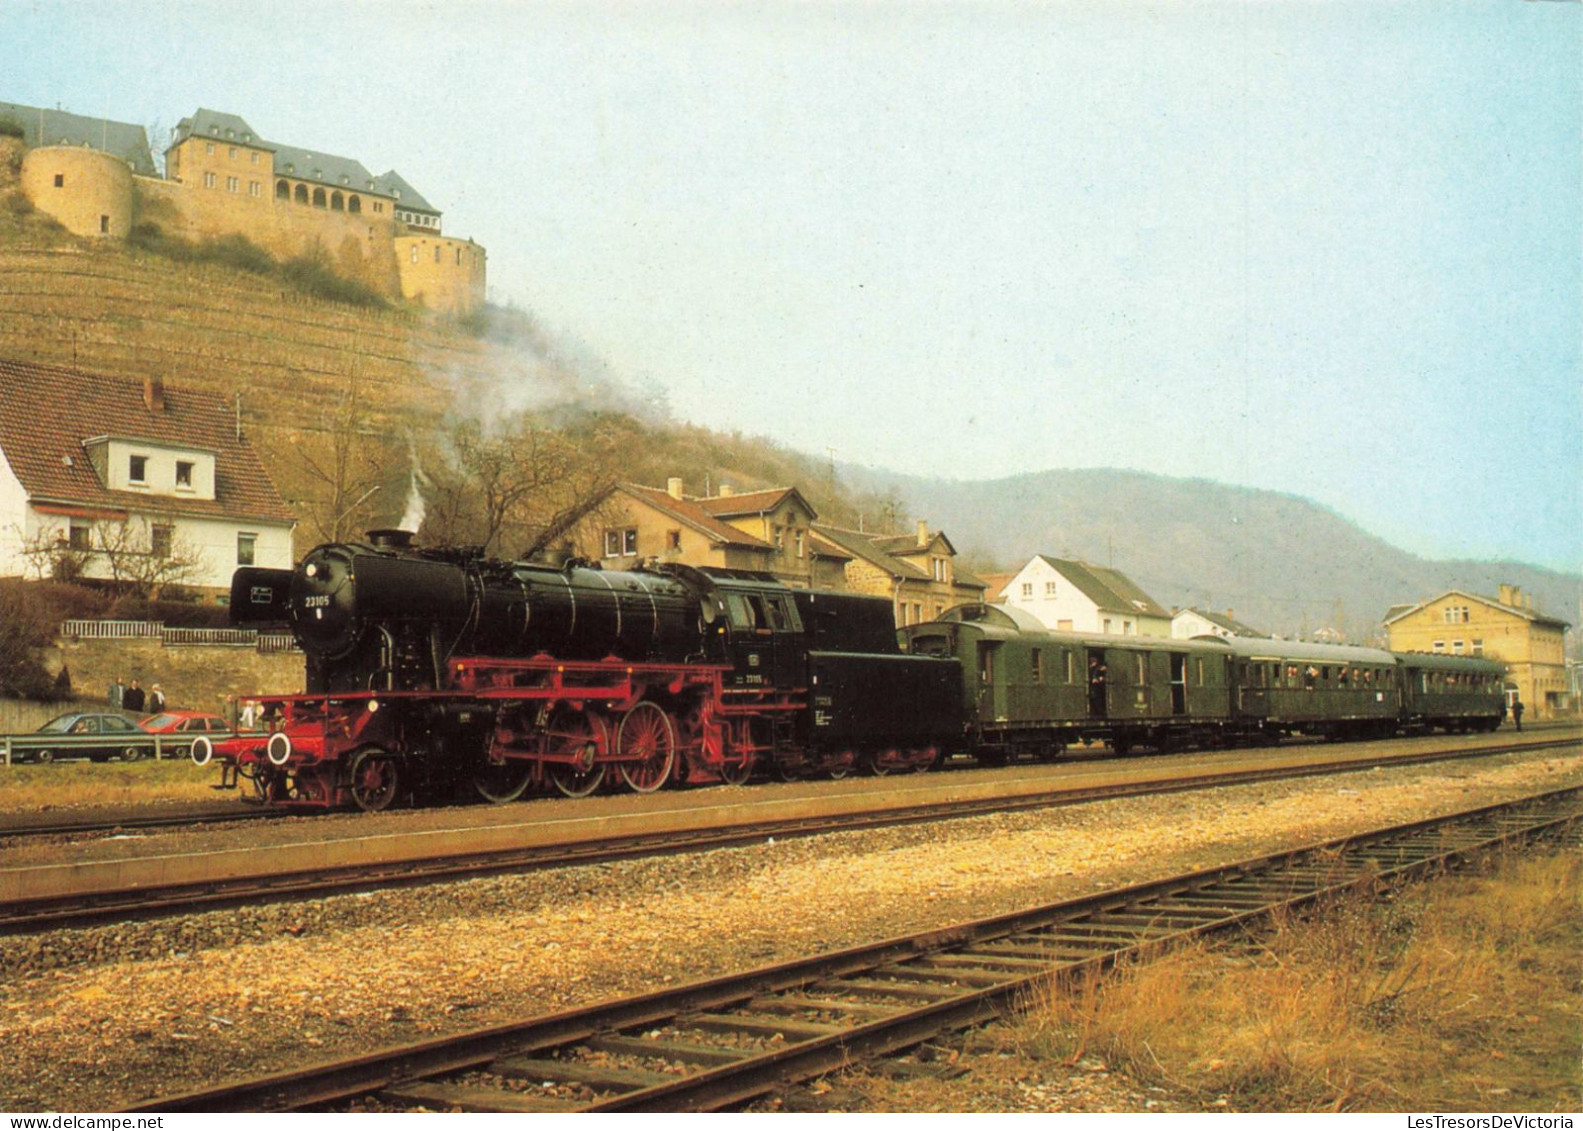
x=18 y=204
x=10 y=127
x=176 y=614
x=313 y=276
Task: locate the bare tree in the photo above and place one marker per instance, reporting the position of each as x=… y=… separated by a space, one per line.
x=515 y=489
x=142 y=560
x=346 y=463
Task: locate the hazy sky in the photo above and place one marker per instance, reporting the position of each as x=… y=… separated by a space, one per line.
x=1326 y=248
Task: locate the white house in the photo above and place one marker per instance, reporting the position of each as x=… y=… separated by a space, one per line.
x=116 y=479
x=1072 y=596
x=1188 y=623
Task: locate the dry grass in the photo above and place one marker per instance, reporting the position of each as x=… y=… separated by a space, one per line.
x=76 y=785
x=1463 y=994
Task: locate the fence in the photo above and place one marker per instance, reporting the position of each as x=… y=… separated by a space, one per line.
x=176 y=637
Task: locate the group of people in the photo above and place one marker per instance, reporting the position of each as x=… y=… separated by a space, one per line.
x=131 y=697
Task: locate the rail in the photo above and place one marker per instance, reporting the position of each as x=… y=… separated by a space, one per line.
x=741 y=1036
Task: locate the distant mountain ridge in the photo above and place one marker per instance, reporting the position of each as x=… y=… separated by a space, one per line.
x=1284 y=563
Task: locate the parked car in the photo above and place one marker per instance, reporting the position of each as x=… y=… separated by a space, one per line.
x=185 y=722
x=114 y=729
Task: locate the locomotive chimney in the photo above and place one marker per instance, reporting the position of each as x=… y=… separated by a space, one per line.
x=391 y=539
x=154 y=394
x=673 y=487
x=923 y=533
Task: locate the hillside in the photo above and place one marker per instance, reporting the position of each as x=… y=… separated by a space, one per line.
x=1283 y=563
x=287 y=364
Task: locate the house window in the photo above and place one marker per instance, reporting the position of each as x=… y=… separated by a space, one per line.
x=77 y=537
x=246 y=544
x=621 y=543
x=184 y=473
x=673 y=540
x=1456 y=647
x=1478 y=647
x=159 y=541
x=1049 y=589
x=137 y=469
x=1439 y=645
x=1105 y=626
x=1027 y=589
x=797 y=540
x=1036 y=655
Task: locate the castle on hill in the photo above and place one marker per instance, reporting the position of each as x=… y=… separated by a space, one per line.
x=97 y=178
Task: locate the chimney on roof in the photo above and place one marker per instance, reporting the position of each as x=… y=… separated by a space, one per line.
x=673 y=487
x=154 y=394
x=726 y=490
x=1509 y=594
x=923 y=533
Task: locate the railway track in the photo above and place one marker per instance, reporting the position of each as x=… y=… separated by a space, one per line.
x=22 y=827
x=132 y=895
x=728 y=1040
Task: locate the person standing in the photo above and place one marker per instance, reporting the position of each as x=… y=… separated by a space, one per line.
x=116 y=693
x=1517 y=713
x=156 y=700
x=133 y=698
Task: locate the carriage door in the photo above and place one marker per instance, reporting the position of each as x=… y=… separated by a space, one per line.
x=1098 y=680
x=991 y=703
x=1178 y=683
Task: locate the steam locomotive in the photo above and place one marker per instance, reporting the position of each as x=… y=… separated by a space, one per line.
x=432 y=671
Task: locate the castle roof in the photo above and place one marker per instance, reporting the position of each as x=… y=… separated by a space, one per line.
x=56 y=127
x=219 y=126
x=49 y=411
x=394 y=185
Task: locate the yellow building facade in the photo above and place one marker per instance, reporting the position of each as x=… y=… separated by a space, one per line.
x=1505 y=628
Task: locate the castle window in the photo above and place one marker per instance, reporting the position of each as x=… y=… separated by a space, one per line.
x=254 y=189
x=354 y=204
x=231 y=153
x=436 y=255
x=459 y=263
x=208 y=147
x=414 y=253
x=254 y=156
x=60 y=180
x=318 y=198
x=232 y=184
x=290 y=168
x=104 y=225
x=208 y=180
x=345 y=180
x=379 y=206
x=302 y=194
x=282 y=190
x=337 y=202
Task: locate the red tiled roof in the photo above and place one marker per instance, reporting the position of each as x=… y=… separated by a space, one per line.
x=689 y=512
x=46 y=412
x=749 y=502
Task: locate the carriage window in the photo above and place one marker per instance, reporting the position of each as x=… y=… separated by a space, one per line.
x=1143 y=668
x=1071 y=673
x=1036 y=656
x=1200 y=671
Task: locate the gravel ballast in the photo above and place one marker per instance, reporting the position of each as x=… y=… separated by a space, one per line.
x=96 y=1018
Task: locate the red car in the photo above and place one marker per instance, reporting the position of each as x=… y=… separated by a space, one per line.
x=185 y=722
